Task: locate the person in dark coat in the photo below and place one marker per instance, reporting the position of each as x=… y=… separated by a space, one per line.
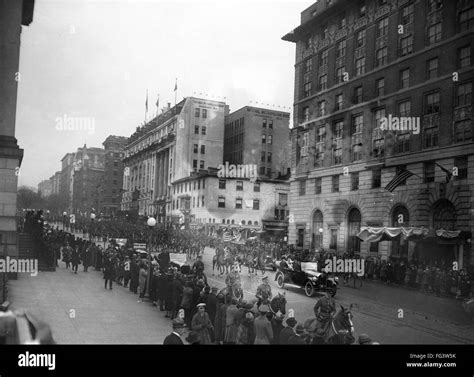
x=220 y=323
x=176 y=294
x=277 y=326
x=168 y=294
x=161 y=290
x=211 y=305
x=109 y=271
x=134 y=275
x=298 y=338
x=86 y=257
x=175 y=337
x=75 y=259
x=287 y=332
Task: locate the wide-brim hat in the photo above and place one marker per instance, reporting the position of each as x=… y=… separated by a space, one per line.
x=299 y=329
x=200 y=304
x=264 y=277
x=291 y=321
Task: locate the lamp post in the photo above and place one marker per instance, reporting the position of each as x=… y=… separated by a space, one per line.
x=92 y=222
x=64 y=220
x=151 y=222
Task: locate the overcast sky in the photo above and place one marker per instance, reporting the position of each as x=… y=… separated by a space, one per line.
x=96 y=60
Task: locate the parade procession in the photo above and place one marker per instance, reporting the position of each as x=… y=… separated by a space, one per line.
x=270 y=174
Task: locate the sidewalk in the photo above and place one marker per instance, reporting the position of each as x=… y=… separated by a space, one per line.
x=81 y=311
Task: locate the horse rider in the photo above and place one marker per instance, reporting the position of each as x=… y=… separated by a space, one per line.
x=233 y=279
x=198 y=266
x=324 y=309
x=264 y=292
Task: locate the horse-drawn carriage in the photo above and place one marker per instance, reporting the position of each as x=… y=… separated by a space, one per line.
x=305 y=275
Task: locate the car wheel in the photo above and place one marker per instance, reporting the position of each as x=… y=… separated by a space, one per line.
x=309 y=289
x=280 y=281
x=333 y=290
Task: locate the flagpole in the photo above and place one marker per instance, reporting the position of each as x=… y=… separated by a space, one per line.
x=175 y=91
x=146 y=105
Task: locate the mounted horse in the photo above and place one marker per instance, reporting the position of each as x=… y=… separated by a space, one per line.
x=338 y=330
x=278 y=303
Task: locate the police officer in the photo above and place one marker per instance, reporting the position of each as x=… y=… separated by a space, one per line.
x=324 y=309
x=264 y=292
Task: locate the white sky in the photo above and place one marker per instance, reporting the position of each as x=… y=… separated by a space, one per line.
x=97 y=59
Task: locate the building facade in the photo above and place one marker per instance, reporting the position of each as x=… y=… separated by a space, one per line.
x=256 y=136
x=55 y=183
x=359 y=65
x=67 y=179
x=110 y=187
x=45 y=188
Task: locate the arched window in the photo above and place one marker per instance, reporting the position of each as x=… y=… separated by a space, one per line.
x=444 y=215
x=255 y=223
x=243 y=222
x=353 y=228
x=400 y=218
x=233 y=221
x=249 y=222
x=317 y=238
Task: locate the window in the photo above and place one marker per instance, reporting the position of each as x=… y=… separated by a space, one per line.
x=270 y=139
x=302 y=187
x=466 y=19
x=262 y=159
x=378 y=139
x=238 y=203
x=197 y=113
x=357 y=95
x=203 y=149
x=462 y=131
x=305 y=114
x=317 y=185
x=264 y=138
x=196 y=130
x=221 y=202
x=464 y=57
x=432 y=68
x=376 y=178
x=323 y=58
x=380 y=87
x=360 y=66
x=404 y=78
x=464 y=94
x=444 y=215
x=333 y=242
x=323 y=82
x=195 y=164
x=356 y=138
x=340 y=74
x=354 y=220
x=434 y=5
x=308 y=65
x=434 y=33
x=362 y=10
x=202 y=201
x=341 y=49
x=269 y=172
x=382 y=27
x=407 y=15
x=402 y=138
x=429 y=171
x=199 y=184
x=256 y=204
x=321 y=108
x=270 y=124
x=204 y=184
x=335 y=183
x=307 y=89
x=354 y=181
x=338 y=102
x=195 y=148
x=341 y=21
x=269 y=157
x=203 y=130
x=239 y=185
x=262 y=170
x=204 y=113
x=320 y=145
x=201 y=164
x=461 y=164
x=194 y=202
x=256 y=187
x=406 y=45
x=381 y=57
x=222 y=184
x=264 y=123
x=432 y=103
x=361 y=38
x=337 y=145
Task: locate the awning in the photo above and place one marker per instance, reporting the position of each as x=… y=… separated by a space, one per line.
x=377 y=234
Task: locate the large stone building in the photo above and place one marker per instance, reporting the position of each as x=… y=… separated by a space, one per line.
x=358 y=65
x=13 y=14
x=55 y=183
x=258 y=136
x=163 y=151
x=67 y=179
x=110 y=188
x=45 y=188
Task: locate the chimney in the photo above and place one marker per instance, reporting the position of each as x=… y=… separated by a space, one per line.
x=169 y=105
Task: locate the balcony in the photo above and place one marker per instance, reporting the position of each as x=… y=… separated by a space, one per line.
x=431 y=120
x=323 y=70
x=307 y=52
x=382 y=11
x=341 y=33
x=361 y=22
x=461 y=113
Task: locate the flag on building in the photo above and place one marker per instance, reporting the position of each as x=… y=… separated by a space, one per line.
x=449 y=175
x=399 y=178
x=146 y=101
x=176 y=85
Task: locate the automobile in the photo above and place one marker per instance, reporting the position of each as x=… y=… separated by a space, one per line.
x=305 y=275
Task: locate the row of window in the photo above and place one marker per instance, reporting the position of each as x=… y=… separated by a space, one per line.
x=186 y=203
x=461 y=164
x=236 y=125
x=229 y=221
x=238 y=203
x=267 y=139
x=196 y=149
x=431 y=71
x=239 y=185
x=195 y=164
x=196 y=130
x=163 y=132
x=200 y=113
x=188 y=186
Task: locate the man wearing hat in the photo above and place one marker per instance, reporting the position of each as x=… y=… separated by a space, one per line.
x=211 y=304
x=264 y=292
x=288 y=331
x=201 y=324
x=263 y=327
x=175 y=336
x=324 y=309
x=277 y=326
x=298 y=338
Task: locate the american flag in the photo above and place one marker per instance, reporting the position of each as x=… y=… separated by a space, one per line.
x=227 y=236
x=400 y=177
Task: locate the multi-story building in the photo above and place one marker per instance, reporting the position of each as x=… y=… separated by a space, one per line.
x=67 y=179
x=110 y=188
x=359 y=65
x=164 y=150
x=256 y=136
x=89 y=166
x=45 y=188
x=13 y=15
x=55 y=183
x=207 y=200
